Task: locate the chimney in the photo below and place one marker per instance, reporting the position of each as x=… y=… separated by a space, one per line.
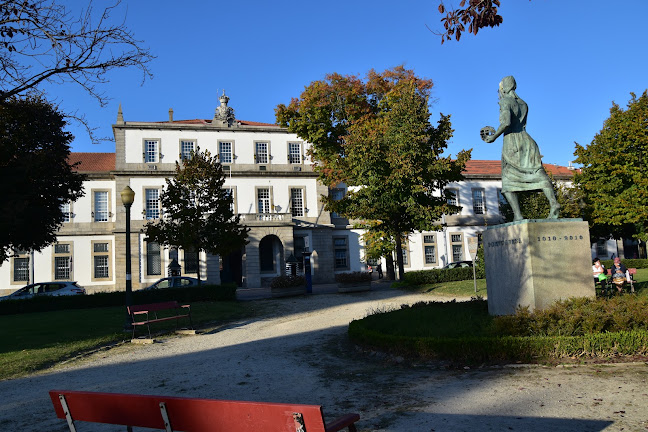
x=170 y=115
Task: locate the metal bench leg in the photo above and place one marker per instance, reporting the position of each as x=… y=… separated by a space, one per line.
x=68 y=416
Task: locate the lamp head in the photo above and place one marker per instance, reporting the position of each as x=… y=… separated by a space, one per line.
x=127 y=196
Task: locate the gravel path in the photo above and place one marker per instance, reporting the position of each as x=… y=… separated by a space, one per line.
x=299 y=353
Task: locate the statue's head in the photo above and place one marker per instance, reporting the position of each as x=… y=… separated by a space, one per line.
x=507 y=84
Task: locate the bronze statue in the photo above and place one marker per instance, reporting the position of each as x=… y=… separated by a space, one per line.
x=521 y=160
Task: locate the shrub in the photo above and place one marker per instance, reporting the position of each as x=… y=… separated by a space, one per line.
x=288 y=282
x=424 y=277
x=570 y=328
x=225 y=292
x=629 y=263
x=353 y=277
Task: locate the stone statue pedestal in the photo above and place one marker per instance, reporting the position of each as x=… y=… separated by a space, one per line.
x=535 y=262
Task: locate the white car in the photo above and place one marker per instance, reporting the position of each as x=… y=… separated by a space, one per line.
x=46 y=289
x=173 y=282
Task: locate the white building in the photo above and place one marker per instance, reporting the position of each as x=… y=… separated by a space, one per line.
x=275 y=191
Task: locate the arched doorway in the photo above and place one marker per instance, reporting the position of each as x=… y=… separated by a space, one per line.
x=270 y=256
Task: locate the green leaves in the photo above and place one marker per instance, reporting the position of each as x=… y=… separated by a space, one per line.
x=375 y=136
x=35 y=174
x=197 y=210
x=613 y=177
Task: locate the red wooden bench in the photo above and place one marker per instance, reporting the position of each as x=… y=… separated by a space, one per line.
x=147 y=314
x=170 y=413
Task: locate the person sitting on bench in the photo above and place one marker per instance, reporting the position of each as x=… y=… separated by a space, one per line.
x=620 y=274
x=598 y=270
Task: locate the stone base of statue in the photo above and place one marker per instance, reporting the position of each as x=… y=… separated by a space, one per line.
x=535 y=262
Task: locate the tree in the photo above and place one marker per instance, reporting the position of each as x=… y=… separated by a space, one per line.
x=40 y=41
x=378 y=244
x=198 y=213
x=613 y=175
x=35 y=174
x=375 y=136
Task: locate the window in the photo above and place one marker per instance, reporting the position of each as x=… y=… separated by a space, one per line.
x=230 y=191
x=501 y=198
x=297 y=202
x=225 y=152
x=100 y=213
x=21 y=269
x=601 y=248
x=66 y=209
x=151 y=151
x=479 y=204
x=101 y=259
x=457 y=247
x=62 y=261
x=186 y=149
x=453 y=199
x=405 y=254
x=429 y=248
x=263 y=200
x=153 y=259
x=336 y=195
x=152 y=204
x=261 y=152
x=294 y=153
x=341 y=253
x=190 y=261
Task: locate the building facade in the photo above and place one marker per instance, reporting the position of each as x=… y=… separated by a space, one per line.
x=275 y=191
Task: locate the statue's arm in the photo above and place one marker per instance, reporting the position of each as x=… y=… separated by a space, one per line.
x=505 y=121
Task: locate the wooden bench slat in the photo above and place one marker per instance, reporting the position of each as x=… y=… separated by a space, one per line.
x=193 y=415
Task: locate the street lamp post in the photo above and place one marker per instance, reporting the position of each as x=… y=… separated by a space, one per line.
x=128 y=196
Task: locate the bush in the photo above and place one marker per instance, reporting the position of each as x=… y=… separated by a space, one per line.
x=629 y=263
x=225 y=292
x=577 y=317
x=353 y=277
x=288 y=282
x=571 y=328
x=424 y=277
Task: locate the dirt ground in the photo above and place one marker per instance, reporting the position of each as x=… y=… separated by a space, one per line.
x=298 y=352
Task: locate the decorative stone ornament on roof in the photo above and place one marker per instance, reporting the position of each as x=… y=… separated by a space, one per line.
x=224 y=115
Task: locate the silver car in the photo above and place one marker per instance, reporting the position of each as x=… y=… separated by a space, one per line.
x=173 y=282
x=46 y=289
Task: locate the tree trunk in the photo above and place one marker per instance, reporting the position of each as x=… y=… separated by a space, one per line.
x=399 y=258
x=389 y=263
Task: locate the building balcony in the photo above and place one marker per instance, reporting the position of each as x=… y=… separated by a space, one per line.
x=266 y=218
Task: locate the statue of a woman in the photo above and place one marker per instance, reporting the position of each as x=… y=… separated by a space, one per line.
x=521 y=160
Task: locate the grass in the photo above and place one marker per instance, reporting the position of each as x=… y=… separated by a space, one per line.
x=466 y=288
x=36 y=341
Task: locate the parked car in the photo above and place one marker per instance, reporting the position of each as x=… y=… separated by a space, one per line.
x=173 y=282
x=458 y=264
x=46 y=289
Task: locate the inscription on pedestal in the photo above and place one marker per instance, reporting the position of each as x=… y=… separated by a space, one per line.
x=536 y=262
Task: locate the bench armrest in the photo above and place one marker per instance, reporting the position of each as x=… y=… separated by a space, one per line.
x=340 y=423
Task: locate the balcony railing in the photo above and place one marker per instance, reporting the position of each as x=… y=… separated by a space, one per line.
x=266 y=217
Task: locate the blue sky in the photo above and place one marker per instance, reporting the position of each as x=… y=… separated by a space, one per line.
x=571 y=59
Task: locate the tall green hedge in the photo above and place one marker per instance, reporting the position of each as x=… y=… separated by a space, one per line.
x=629 y=263
x=424 y=277
x=225 y=292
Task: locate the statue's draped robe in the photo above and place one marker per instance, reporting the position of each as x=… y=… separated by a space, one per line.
x=521 y=160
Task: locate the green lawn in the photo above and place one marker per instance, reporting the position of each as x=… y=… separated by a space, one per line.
x=467 y=288
x=35 y=341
